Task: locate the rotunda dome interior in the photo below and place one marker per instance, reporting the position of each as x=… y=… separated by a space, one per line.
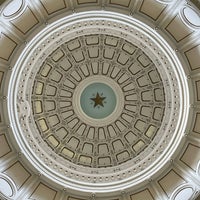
x=100 y=100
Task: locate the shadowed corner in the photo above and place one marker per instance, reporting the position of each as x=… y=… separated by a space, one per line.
x=196 y=3
x=1 y=2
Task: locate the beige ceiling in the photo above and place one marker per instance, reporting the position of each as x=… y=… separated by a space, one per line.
x=181 y=175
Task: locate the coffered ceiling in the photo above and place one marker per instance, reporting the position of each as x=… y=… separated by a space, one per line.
x=54 y=143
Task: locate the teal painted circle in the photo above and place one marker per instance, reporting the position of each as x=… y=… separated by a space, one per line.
x=98 y=100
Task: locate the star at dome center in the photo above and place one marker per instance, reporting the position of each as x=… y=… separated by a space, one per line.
x=98 y=100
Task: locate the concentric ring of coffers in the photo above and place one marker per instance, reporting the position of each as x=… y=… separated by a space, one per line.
x=75 y=173
x=98 y=142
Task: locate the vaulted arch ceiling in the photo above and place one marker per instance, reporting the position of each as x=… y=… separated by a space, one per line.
x=99 y=99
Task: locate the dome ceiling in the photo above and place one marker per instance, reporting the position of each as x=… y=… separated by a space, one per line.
x=99 y=100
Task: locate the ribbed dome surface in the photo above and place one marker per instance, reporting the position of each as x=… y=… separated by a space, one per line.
x=99 y=100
